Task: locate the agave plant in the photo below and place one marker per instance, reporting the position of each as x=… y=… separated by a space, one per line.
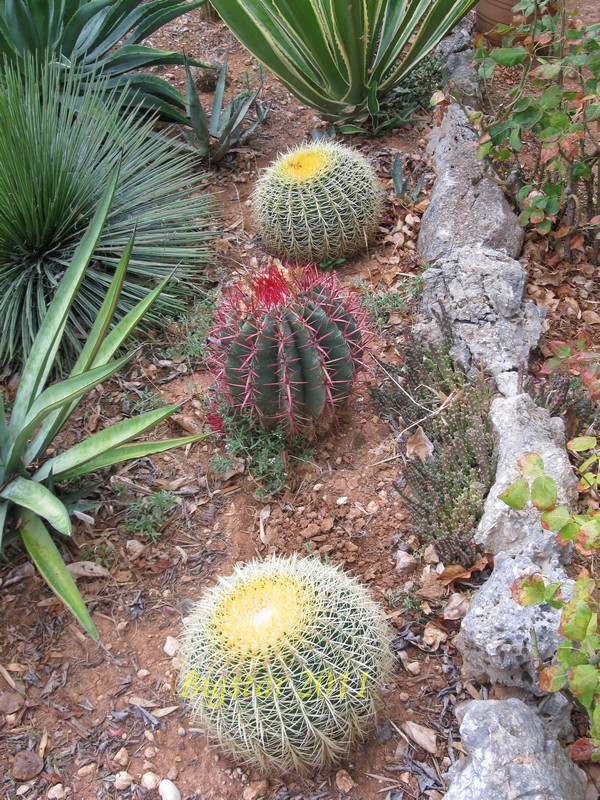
x=338 y=56
x=97 y=34
x=28 y=502
x=214 y=139
x=59 y=143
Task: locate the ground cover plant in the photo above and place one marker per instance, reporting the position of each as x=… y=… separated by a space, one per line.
x=60 y=141
x=282 y=662
x=337 y=58
x=27 y=498
x=103 y=34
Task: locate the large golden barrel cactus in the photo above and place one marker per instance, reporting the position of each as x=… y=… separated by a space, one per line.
x=282 y=662
x=317 y=202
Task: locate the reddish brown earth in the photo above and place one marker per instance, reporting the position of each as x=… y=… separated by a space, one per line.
x=92 y=711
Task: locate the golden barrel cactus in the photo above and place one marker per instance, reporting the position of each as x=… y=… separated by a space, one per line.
x=317 y=202
x=282 y=663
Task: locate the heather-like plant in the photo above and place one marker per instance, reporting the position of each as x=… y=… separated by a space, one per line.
x=29 y=500
x=446 y=491
x=60 y=139
x=338 y=57
x=289 y=351
x=282 y=662
x=317 y=202
x=98 y=34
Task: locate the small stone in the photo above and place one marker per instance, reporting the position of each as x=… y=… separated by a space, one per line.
x=143 y=673
x=56 y=792
x=341 y=501
x=168 y=791
x=123 y=781
x=372 y=507
x=88 y=769
x=171 y=646
x=134 y=548
x=122 y=757
x=181 y=731
x=149 y=736
x=150 y=752
x=404 y=697
x=255 y=790
x=147 y=766
x=405 y=563
x=11 y=702
x=343 y=781
x=173 y=773
x=327 y=524
x=413 y=667
x=26 y=765
x=150 y=780
x=430 y=555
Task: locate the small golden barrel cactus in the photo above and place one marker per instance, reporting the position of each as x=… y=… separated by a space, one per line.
x=282 y=662
x=317 y=202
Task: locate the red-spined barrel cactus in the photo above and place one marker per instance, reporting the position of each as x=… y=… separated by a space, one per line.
x=318 y=201
x=281 y=663
x=289 y=351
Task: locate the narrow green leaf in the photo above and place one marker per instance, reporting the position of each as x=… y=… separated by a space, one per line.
x=3 y=513
x=102 y=442
x=217 y=106
x=516 y=495
x=46 y=557
x=44 y=349
x=131 y=451
x=38 y=499
x=544 y=492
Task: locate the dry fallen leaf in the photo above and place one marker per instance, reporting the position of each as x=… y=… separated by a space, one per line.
x=422 y=735
x=87 y=569
x=456 y=607
x=434 y=636
x=419 y=445
x=264 y=515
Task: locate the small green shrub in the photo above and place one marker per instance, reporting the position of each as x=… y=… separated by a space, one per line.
x=103 y=34
x=320 y=201
x=148 y=515
x=59 y=143
x=446 y=491
x=282 y=662
x=288 y=353
x=213 y=139
x=29 y=499
x=576 y=667
x=192 y=327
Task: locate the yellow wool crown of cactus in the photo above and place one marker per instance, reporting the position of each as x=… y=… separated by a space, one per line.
x=282 y=662
x=318 y=201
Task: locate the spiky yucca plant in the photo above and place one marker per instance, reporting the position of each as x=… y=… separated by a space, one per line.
x=60 y=139
x=289 y=352
x=318 y=201
x=282 y=662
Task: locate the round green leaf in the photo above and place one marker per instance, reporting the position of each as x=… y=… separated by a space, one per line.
x=544 y=493
x=516 y=495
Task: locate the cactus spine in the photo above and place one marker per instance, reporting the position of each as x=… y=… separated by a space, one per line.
x=318 y=201
x=282 y=661
x=289 y=352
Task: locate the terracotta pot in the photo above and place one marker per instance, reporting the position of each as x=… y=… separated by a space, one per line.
x=488 y=13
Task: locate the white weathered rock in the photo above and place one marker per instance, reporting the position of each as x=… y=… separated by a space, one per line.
x=482 y=292
x=150 y=780
x=510 y=757
x=521 y=427
x=56 y=792
x=171 y=646
x=495 y=635
x=405 y=563
x=121 y=757
x=465 y=207
x=123 y=781
x=168 y=791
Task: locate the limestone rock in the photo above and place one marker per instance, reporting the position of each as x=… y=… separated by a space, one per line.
x=462 y=77
x=405 y=563
x=482 y=294
x=168 y=791
x=495 y=635
x=521 y=427
x=465 y=207
x=509 y=757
